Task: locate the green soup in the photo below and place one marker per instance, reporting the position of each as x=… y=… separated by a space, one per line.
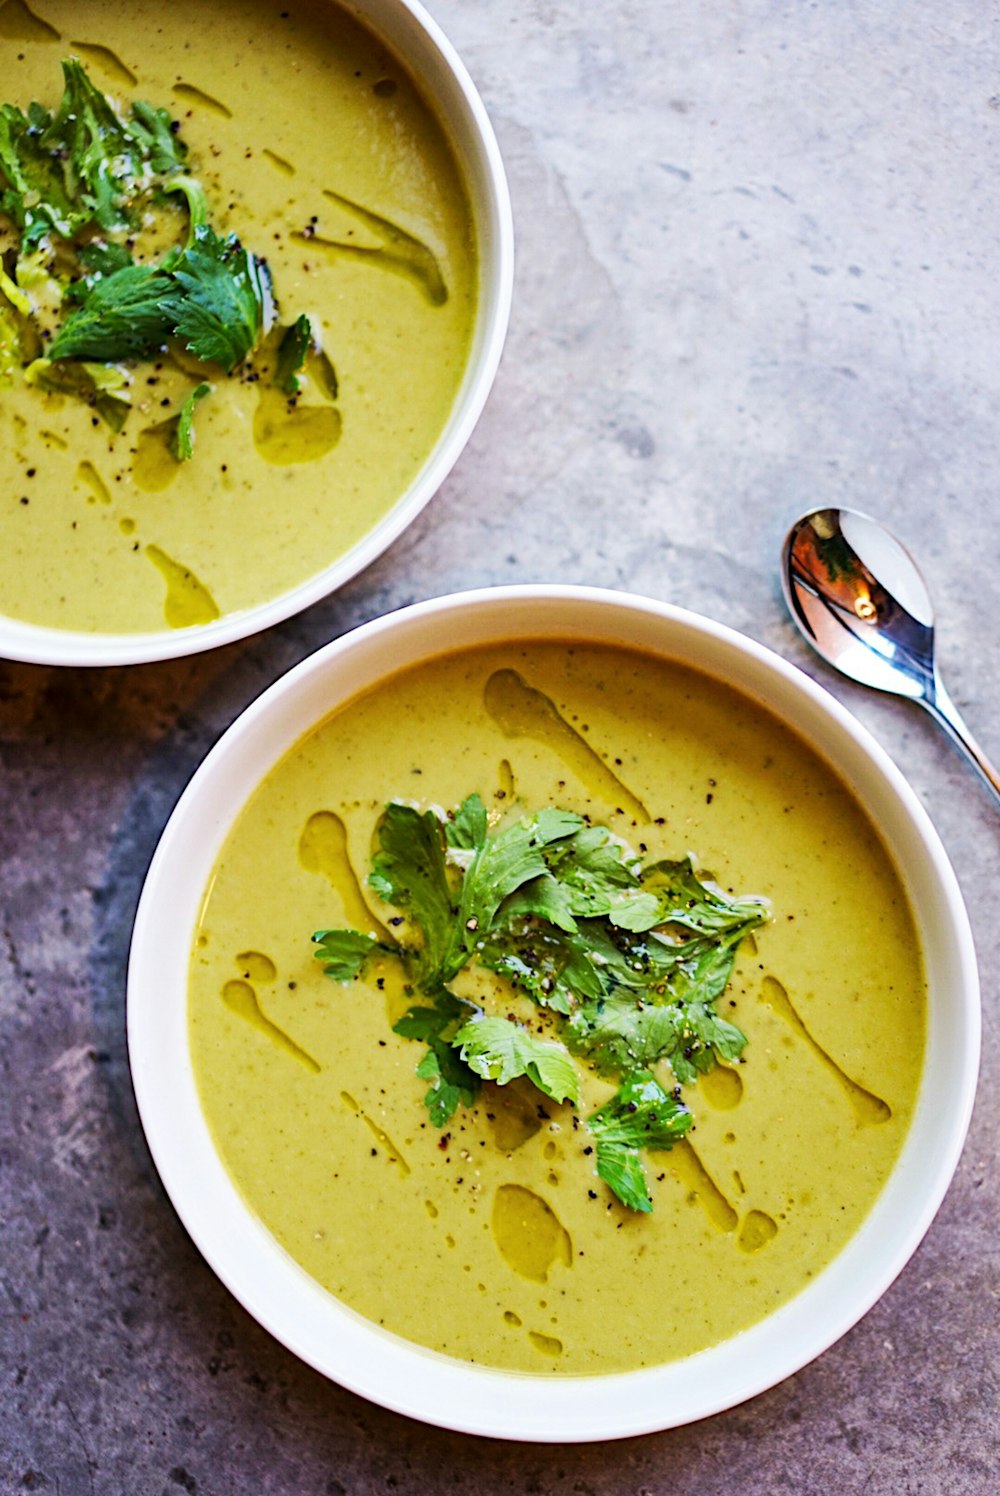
x=494 y=1240
x=316 y=148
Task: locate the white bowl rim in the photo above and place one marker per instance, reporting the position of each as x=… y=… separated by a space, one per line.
x=381 y=1366
x=40 y=644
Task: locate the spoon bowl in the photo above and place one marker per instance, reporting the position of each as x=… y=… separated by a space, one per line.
x=860 y=600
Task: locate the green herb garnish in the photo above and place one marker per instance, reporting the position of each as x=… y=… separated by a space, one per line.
x=640 y=1115
x=79 y=188
x=220 y=301
x=182 y=442
x=624 y=964
x=296 y=344
x=124 y=315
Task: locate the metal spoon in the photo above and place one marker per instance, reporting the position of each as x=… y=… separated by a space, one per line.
x=860 y=601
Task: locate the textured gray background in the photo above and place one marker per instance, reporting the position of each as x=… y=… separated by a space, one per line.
x=757 y=271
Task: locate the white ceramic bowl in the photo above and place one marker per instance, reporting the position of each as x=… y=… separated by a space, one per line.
x=415 y=37
x=289 y=1303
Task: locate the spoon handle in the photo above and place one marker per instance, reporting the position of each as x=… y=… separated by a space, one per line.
x=946 y=714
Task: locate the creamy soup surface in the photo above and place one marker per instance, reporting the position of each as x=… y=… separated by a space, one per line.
x=495 y=1241
x=316 y=149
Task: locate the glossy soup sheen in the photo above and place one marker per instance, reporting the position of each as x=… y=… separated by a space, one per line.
x=496 y=1242
x=300 y=126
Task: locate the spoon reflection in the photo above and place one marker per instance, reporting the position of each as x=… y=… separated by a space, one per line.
x=858 y=598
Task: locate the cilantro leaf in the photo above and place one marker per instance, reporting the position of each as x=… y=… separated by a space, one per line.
x=98 y=153
x=214 y=298
x=445 y=1094
x=154 y=131
x=409 y=872
x=220 y=300
x=698 y=905
x=554 y=967
x=639 y=1115
x=500 y=865
x=296 y=344
x=453 y=1082
x=344 y=952
x=99 y=260
x=84 y=165
x=124 y=316
x=628 y=961
x=78 y=186
x=468 y=828
x=657 y=1006
x=618 y=1033
x=34 y=192
x=500 y=1050
x=598 y=880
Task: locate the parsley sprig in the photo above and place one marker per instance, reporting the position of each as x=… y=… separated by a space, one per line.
x=77 y=187
x=624 y=963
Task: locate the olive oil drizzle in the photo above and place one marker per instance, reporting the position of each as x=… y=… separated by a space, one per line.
x=869 y=1109
x=522 y=711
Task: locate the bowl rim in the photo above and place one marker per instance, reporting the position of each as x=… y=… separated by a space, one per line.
x=336 y=1340
x=478 y=154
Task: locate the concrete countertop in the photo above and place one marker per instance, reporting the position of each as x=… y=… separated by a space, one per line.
x=756 y=272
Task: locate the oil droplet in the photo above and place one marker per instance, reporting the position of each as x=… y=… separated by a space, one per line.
x=382 y=1137
x=722 y=1087
x=240 y=998
x=431 y=1209
x=108 y=60
x=522 y=712
x=206 y=101
x=279 y=162
x=323 y=849
x=187 y=602
x=514 y=1115
x=757 y=1230
x=256 y=967
x=689 y=1169
x=154 y=466
x=868 y=1108
x=510 y=1318
x=285 y=434
x=548 y=1345
x=393 y=249
x=91 y=478
x=126 y=525
x=551 y=1149
x=505 y=776
x=20 y=24
x=529 y=1235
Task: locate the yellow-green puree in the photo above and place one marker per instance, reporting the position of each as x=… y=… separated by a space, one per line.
x=316 y=149
x=494 y=1240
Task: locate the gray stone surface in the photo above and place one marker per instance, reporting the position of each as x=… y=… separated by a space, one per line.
x=757 y=271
